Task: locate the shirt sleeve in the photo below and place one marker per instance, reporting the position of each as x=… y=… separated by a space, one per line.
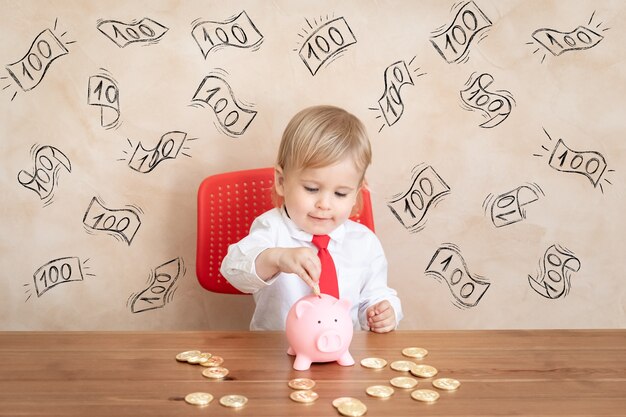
x=375 y=287
x=238 y=266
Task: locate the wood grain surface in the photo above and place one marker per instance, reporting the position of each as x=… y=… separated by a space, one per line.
x=518 y=372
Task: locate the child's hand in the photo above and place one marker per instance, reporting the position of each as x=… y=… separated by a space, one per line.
x=381 y=317
x=303 y=262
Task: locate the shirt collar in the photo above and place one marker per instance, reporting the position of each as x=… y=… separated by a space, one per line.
x=297 y=233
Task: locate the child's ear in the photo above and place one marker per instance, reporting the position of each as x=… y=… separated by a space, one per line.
x=279 y=181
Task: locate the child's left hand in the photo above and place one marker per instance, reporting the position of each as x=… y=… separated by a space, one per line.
x=381 y=317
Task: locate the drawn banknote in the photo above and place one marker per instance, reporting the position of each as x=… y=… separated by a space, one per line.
x=238 y=31
x=48 y=161
x=448 y=265
x=556 y=267
x=325 y=43
x=160 y=289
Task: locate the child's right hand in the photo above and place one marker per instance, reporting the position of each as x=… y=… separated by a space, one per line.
x=303 y=262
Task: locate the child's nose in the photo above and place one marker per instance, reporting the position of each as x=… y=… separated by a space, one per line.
x=323 y=201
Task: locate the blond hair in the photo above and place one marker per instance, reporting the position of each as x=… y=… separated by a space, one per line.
x=320 y=136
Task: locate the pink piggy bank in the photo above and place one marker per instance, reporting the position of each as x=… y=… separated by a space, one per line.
x=319 y=329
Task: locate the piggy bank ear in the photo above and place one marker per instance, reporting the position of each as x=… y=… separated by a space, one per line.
x=344 y=304
x=302 y=307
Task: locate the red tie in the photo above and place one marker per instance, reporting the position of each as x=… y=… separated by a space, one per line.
x=328 y=278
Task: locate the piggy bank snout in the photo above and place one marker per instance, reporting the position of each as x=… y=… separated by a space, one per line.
x=329 y=341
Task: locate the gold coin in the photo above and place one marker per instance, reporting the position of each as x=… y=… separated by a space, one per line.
x=304 y=396
x=380 y=391
x=338 y=401
x=415 y=352
x=301 y=383
x=426 y=395
x=352 y=408
x=403 y=382
x=200 y=358
x=402 y=365
x=447 y=384
x=216 y=372
x=183 y=356
x=373 y=363
x=213 y=361
x=233 y=401
x=424 y=371
x=199 y=398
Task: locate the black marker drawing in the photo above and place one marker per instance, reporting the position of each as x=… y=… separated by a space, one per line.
x=30 y=70
x=553 y=279
x=447 y=264
x=120 y=223
x=591 y=164
x=508 y=208
x=237 y=31
x=103 y=92
x=160 y=288
x=169 y=147
x=326 y=43
x=231 y=114
x=145 y=31
x=58 y=271
x=390 y=103
x=495 y=106
x=48 y=161
x=557 y=42
x=453 y=41
x=426 y=190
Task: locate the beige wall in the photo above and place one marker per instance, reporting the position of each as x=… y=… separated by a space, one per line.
x=476 y=160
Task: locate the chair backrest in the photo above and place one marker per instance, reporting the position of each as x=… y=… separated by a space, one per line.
x=228 y=203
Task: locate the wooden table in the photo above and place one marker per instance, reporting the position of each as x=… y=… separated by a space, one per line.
x=532 y=373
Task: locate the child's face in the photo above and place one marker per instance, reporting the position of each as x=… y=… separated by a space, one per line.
x=319 y=200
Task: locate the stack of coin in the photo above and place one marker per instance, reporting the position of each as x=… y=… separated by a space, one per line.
x=194 y=357
x=348 y=406
x=184 y=356
x=213 y=361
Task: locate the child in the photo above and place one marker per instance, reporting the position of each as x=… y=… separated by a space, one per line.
x=321 y=164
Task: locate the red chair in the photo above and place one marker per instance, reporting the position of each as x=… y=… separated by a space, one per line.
x=227 y=205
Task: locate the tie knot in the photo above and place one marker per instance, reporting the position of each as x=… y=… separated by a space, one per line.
x=321 y=241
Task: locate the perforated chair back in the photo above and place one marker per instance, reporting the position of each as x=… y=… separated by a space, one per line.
x=228 y=203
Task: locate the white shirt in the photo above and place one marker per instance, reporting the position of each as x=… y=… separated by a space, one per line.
x=357 y=253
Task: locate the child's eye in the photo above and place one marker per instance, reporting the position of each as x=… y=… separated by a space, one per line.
x=338 y=194
x=310 y=189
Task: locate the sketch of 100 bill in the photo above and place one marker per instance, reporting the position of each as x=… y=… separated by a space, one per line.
x=122 y=223
x=411 y=207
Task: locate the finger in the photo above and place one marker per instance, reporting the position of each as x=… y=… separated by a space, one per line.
x=383 y=306
x=313 y=268
x=381 y=324
x=304 y=276
x=386 y=315
x=385 y=329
